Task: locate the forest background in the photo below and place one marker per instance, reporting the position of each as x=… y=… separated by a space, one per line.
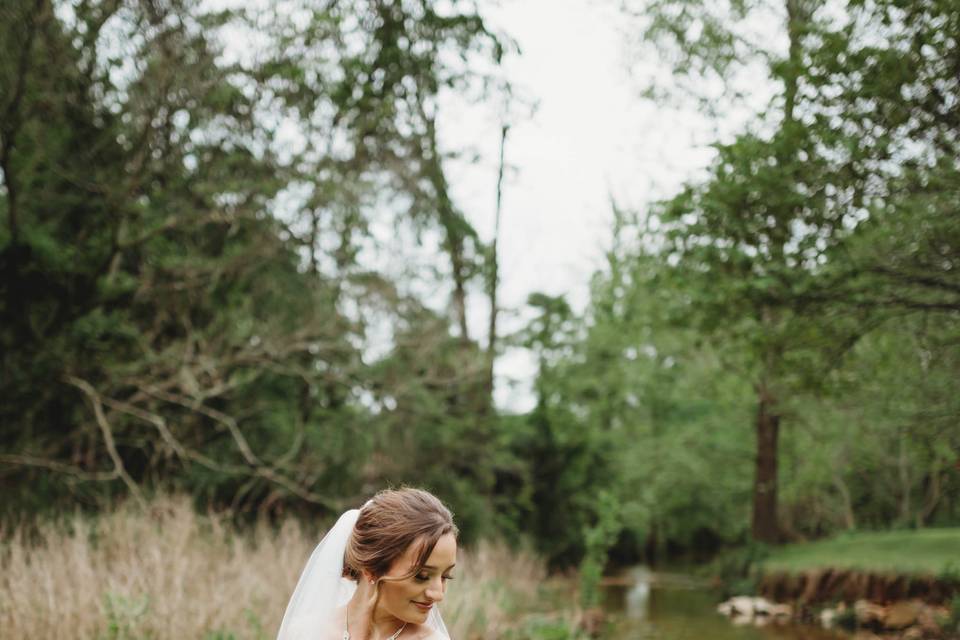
x=190 y=304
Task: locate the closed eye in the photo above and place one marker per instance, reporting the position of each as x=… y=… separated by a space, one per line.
x=423 y=577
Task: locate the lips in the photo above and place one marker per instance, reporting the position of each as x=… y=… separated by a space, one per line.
x=422 y=606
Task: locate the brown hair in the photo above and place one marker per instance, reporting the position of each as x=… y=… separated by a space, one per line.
x=388 y=524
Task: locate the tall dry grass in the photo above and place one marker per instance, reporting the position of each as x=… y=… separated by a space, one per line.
x=170 y=574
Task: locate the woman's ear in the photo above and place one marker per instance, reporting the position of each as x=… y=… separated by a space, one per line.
x=368 y=577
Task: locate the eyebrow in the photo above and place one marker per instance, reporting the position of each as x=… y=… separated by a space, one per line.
x=431 y=567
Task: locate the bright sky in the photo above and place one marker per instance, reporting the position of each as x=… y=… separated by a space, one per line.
x=591 y=138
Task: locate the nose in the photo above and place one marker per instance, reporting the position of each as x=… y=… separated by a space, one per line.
x=435 y=589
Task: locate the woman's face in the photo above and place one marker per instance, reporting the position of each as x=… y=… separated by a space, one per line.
x=411 y=599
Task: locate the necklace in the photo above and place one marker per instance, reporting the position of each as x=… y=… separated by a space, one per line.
x=346 y=628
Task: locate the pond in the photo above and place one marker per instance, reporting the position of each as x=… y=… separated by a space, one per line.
x=653 y=606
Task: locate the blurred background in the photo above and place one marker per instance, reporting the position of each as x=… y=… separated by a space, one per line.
x=669 y=283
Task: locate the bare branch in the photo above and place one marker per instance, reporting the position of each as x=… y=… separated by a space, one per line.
x=107 y=434
x=227 y=421
x=258 y=467
x=59 y=467
x=494 y=269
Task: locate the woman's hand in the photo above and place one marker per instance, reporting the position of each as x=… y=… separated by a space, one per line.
x=360 y=610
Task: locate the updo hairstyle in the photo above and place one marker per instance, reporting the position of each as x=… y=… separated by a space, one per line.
x=388 y=524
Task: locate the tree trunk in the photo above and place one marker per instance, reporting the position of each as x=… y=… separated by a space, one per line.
x=903 y=472
x=455 y=227
x=764 y=526
x=455 y=249
x=849 y=518
x=650 y=547
x=933 y=497
x=493 y=282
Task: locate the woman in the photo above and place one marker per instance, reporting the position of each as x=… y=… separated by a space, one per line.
x=378 y=574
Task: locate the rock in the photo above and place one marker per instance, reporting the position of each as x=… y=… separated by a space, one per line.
x=913 y=633
x=903 y=614
x=781 y=611
x=741 y=621
x=868 y=613
x=742 y=606
x=761 y=607
x=744 y=610
x=828 y=618
x=929 y=620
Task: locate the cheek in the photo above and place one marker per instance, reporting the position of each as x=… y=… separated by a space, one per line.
x=402 y=592
x=412 y=589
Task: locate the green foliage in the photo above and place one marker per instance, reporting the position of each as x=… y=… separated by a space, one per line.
x=123 y=616
x=803 y=289
x=544 y=628
x=847 y=619
x=656 y=406
x=598 y=539
x=189 y=300
x=737 y=569
x=929 y=552
x=949 y=574
x=953 y=621
x=182 y=302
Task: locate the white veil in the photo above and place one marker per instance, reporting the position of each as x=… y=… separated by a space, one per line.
x=322 y=589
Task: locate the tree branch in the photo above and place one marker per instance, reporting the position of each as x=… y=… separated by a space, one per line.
x=257 y=467
x=107 y=433
x=59 y=467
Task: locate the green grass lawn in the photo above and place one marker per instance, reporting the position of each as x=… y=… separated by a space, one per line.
x=927 y=551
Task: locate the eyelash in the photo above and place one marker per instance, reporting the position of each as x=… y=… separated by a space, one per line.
x=422 y=578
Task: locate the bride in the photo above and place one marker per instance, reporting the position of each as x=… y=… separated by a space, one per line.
x=378 y=574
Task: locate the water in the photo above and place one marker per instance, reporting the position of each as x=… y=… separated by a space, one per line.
x=659 y=607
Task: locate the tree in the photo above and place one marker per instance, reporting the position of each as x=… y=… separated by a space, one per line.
x=786 y=206
x=182 y=298
x=748 y=237
x=138 y=255
x=655 y=403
